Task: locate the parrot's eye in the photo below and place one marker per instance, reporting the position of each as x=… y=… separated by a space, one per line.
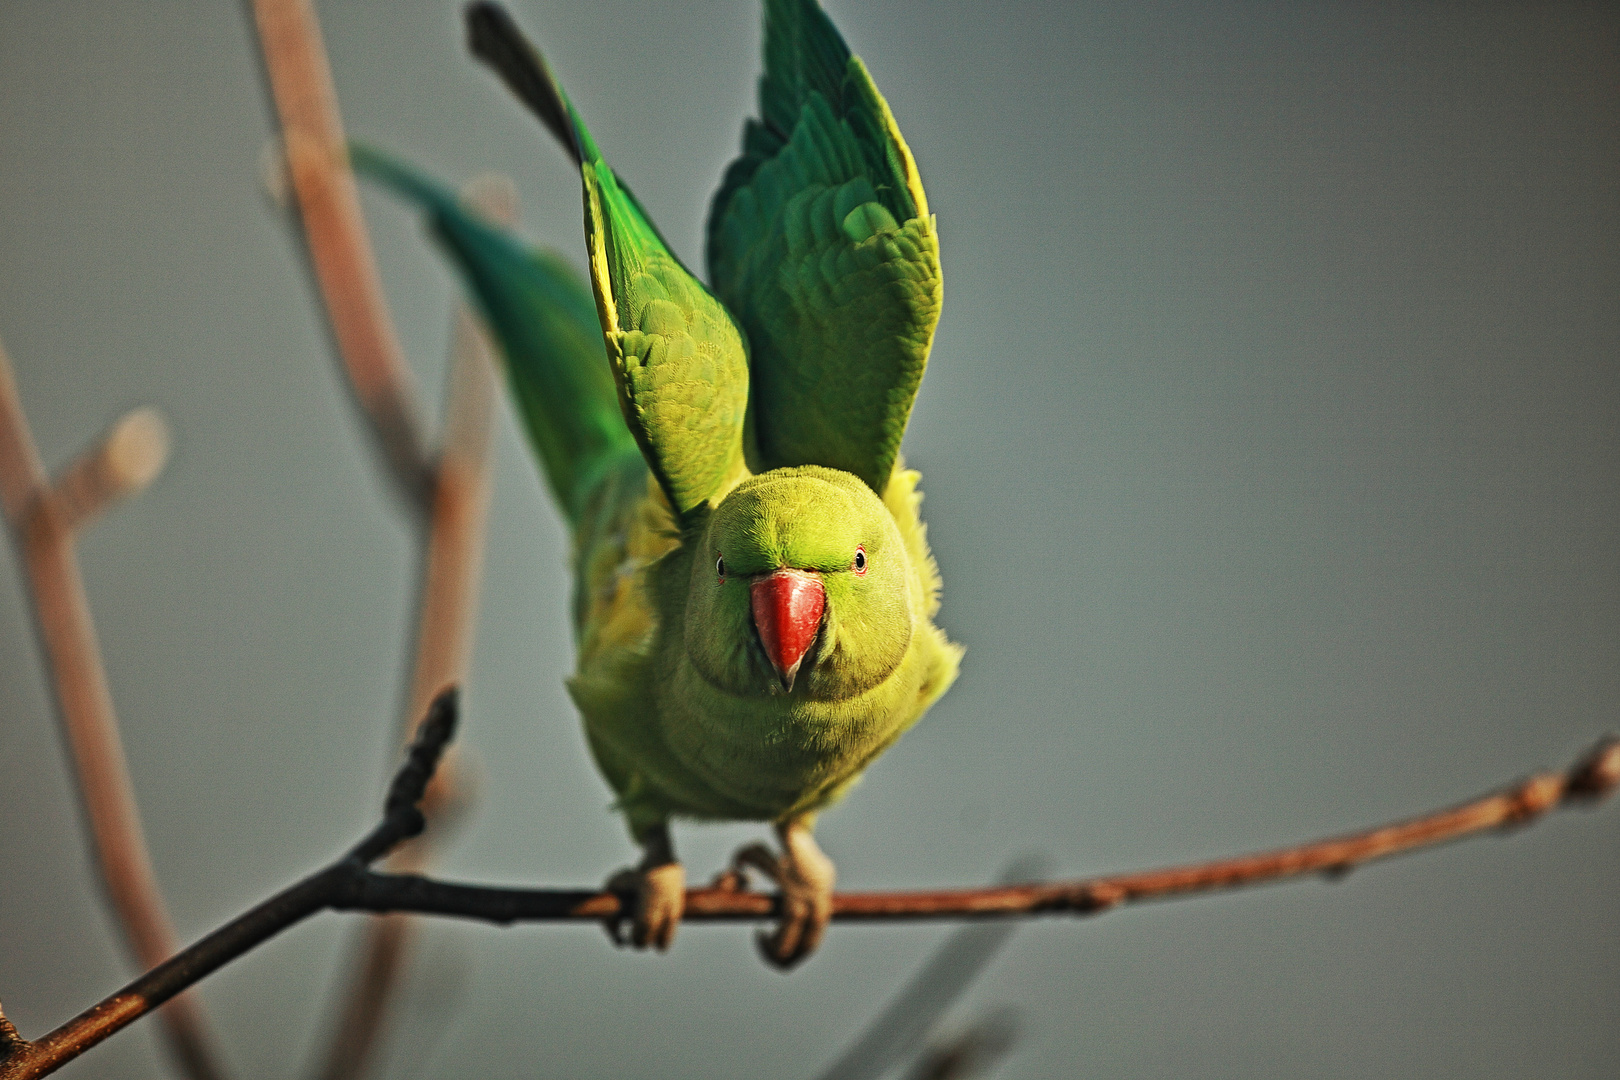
x=720 y=568
x=860 y=560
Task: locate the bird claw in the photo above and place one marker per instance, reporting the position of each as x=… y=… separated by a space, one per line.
x=804 y=878
x=754 y=856
x=624 y=884
x=659 y=894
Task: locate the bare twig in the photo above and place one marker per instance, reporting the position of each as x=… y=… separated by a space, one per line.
x=1590 y=779
x=335 y=237
x=43 y=520
x=348 y=885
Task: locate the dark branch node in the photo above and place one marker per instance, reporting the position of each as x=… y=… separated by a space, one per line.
x=11 y=1039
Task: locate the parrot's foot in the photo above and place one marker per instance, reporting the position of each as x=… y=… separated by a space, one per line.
x=659 y=887
x=805 y=878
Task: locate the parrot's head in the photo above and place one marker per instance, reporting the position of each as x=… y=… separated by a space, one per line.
x=800 y=585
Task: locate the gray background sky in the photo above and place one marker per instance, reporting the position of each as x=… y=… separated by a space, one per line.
x=1271 y=458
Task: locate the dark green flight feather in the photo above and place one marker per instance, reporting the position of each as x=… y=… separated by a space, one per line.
x=544 y=318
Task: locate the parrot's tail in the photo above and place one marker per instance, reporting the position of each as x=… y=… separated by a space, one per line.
x=545 y=320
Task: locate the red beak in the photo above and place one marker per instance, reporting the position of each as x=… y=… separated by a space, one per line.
x=787 y=614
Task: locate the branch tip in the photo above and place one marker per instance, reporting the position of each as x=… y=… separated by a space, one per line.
x=422 y=760
x=402 y=814
x=138 y=446
x=1597 y=774
x=125 y=461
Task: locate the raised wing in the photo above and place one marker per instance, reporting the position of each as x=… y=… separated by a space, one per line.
x=543 y=317
x=677 y=358
x=821 y=243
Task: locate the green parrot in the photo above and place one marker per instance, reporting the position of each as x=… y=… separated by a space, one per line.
x=754 y=592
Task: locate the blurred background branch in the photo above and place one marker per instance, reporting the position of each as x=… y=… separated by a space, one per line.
x=901 y=1028
x=44 y=519
x=335 y=239
x=974 y=1051
x=451 y=487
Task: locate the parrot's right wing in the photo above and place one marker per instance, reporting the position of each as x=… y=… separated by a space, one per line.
x=821 y=243
x=678 y=359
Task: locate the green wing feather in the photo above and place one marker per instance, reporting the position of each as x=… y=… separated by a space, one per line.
x=678 y=359
x=543 y=316
x=821 y=242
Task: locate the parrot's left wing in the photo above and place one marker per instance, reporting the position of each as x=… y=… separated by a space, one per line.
x=678 y=359
x=821 y=243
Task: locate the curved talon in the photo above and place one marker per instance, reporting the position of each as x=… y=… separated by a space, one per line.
x=756 y=856
x=625 y=882
x=804 y=877
x=658 y=888
x=659 y=902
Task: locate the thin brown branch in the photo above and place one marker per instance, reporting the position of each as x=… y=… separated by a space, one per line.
x=455 y=551
x=42 y=522
x=455 y=540
x=1593 y=777
x=336 y=239
x=1589 y=780
x=348 y=885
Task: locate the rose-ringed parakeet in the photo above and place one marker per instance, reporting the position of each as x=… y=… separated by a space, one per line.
x=754 y=589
